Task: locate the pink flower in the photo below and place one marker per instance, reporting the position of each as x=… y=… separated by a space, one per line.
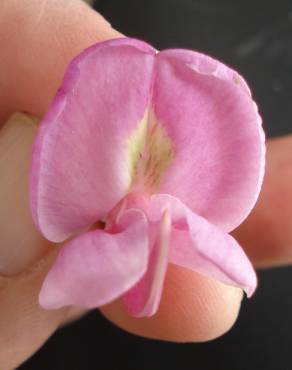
x=144 y=159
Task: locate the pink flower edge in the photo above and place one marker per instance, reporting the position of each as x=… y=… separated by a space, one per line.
x=131 y=129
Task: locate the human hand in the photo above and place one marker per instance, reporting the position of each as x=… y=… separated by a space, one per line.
x=38 y=39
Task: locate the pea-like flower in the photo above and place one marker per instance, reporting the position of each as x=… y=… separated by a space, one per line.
x=144 y=158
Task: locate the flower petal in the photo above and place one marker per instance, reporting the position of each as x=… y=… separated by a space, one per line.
x=143 y=299
x=218 y=142
x=97 y=267
x=80 y=166
x=200 y=246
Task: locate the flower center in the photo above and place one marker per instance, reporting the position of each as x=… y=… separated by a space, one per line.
x=150 y=153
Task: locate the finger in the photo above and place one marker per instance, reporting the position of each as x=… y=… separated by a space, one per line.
x=266 y=235
x=38 y=38
x=193 y=309
x=24 y=326
x=20 y=243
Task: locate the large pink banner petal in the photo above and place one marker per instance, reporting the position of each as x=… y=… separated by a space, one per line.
x=80 y=167
x=218 y=143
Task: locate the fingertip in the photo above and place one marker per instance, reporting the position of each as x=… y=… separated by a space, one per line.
x=24 y=325
x=193 y=309
x=38 y=39
x=266 y=235
x=21 y=245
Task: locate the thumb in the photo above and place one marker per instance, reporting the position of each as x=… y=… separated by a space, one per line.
x=38 y=38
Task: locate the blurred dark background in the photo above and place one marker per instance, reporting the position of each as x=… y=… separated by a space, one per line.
x=254 y=37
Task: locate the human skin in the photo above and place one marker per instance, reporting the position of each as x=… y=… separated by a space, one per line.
x=38 y=38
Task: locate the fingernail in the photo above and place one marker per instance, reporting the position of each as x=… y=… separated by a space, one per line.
x=20 y=242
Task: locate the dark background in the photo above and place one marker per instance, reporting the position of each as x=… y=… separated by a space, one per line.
x=255 y=37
